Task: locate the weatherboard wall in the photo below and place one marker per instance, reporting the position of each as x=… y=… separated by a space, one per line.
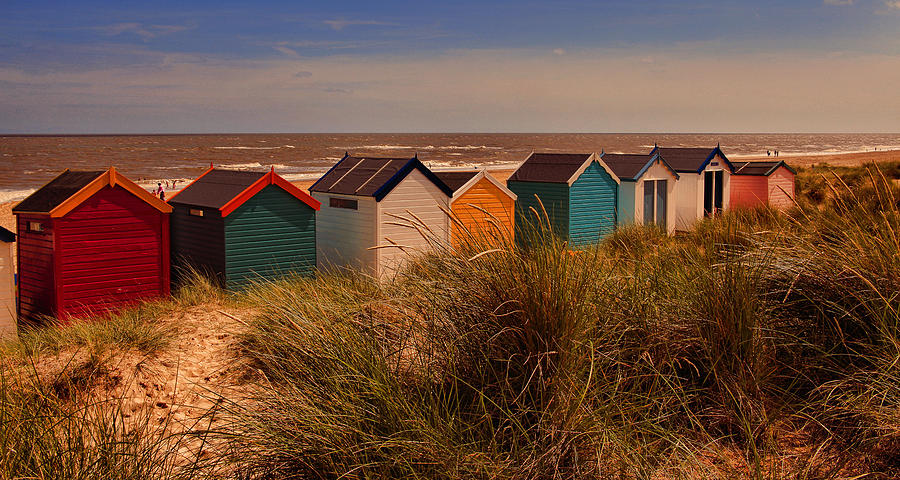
x=592 y=206
x=535 y=198
x=625 y=212
x=344 y=236
x=7 y=290
x=37 y=294
x=748 y=191
x=110 y=251
x=198 y=242
x=416 y=200
x=781 y=188
x=270 y=235
x=484 y=212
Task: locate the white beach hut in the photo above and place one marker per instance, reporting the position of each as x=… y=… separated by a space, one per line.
x=646 y=189
x=368 y=202
x=704 y=182
x=7 y=284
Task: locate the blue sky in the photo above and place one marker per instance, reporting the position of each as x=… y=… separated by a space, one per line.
x=617 y=66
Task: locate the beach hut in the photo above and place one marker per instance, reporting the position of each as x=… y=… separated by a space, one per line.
x=703 y=186
x=577 y=190
x=90 y=242
x=646 y=189
x=371 y=202
x=761 y=183
x=238 y=226
x=7 y=284
x=482 y=206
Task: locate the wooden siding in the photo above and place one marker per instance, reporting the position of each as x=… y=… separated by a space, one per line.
x=781 y=188
x=592 y=206
x=37 y=282
x=7 y=291
x=748 y=191
x=485 y=212
x=270 y=235
x=344 y=236
x=112 y=251
x=416 y=196
x=688 y=207
x=555 y=200
x=198 y=242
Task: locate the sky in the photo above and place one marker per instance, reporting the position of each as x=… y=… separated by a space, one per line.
x=450 y=66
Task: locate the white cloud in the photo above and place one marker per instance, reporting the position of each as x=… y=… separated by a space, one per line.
x=559 y=51
x=839 y=2
x=892 y=4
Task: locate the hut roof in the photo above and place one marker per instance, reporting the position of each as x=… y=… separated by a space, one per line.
x=57 y=191
x=630 y=166
x=759 y=168
x=455 y=179
x=372 y=177
x=71 y=188
x=557 y=167
x=550 y=167
x=462 y=181
x=226 y=190
x=690 y=160
x=7 y=236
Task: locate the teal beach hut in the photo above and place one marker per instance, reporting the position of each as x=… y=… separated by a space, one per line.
x=646 y=189
x=578 y=191
x=239 y=226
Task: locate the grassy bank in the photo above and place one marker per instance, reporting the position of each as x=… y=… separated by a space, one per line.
x=759 y=345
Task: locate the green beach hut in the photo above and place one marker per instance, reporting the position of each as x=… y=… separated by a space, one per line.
x=577 y=190
x=240 y=226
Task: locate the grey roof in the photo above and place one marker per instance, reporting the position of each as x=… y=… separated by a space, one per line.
x=758 y=168
x=549 y=167
x=456 y=178
x=57 y=191
x=372 y=177
x=216 y=188
x=686 y=159
x=626 y=165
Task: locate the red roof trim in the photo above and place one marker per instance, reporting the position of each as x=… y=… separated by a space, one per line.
x=270 y=178
x=192 y=182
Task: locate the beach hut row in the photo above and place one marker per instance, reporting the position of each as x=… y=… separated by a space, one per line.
x=96 y=241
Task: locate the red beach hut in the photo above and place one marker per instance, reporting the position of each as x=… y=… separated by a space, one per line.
x=762 y=183
x=90 y=242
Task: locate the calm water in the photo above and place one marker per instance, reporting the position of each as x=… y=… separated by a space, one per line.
x=27 y=162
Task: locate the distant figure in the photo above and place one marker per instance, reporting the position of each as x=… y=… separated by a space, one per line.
x=776 y=153
x=160 y=192
x=768 y=153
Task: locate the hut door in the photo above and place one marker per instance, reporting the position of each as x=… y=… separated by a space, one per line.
x=655 y=203
x=712 y=192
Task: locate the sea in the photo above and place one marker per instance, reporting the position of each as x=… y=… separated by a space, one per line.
x=29 y=161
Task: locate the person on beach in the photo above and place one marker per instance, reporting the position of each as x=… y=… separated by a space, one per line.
x=768 y=153
x=160 y=192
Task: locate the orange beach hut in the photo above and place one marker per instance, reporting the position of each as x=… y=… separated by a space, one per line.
x=760 y=183
x=482 y=207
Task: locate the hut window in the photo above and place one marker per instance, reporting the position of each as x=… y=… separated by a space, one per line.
x=343 y=203
x=35 y=227
x=195 y=212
